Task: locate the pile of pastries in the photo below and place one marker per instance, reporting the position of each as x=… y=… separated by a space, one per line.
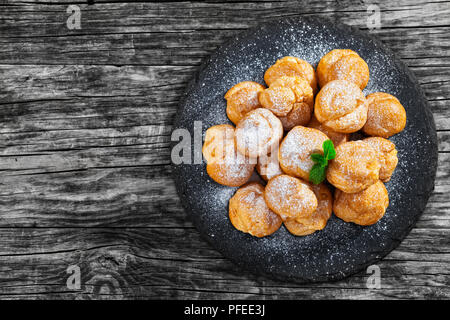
x=279 y=126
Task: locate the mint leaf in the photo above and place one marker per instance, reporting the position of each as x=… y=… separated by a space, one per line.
x=328 y=150
x=317 y=173
x=318 y=158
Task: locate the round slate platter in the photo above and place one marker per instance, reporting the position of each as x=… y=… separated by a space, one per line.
x=341 y=249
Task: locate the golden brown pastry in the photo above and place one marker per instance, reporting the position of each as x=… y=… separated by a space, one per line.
x=336 y=137
x=258 y=133
x=363 y=208
x=291 y=98
x=291 y=66
x=386 y=154
x=290 y=197
x=243 y=98
x=343 y=64
x=299 y=116
x=296 y=148
x=249 y=212
x=216 y=137
x=386 y=115
x=268 y=166
x=341 y=106
x=355 y=168
x=319 y=218
x=278 y=99
x=223 y=163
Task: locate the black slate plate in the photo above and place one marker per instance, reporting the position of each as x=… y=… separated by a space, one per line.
x=341 y=249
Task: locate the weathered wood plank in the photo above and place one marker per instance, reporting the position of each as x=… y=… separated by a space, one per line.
x=57 y=82
x=141 y=263
x=183 y=33
x=189 y=48
x=199 y=15
x=440 y=110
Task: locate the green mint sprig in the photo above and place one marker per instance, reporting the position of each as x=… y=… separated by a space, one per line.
x=318 y=171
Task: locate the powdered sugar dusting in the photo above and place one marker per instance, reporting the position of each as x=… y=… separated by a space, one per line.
x=257 y=132
x=296 y=150
x=290 y=198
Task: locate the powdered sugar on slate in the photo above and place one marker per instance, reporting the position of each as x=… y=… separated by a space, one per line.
x=341 y=248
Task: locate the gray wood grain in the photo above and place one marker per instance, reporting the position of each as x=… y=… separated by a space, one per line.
x=86 y=117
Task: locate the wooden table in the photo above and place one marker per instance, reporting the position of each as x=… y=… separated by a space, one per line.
x=86 y=117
